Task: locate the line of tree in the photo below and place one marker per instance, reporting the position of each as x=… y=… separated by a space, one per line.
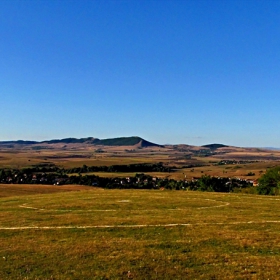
x=139 y=181
x=139 y=167
x=269 y=183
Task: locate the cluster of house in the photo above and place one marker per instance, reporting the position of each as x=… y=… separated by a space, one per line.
x=33 y=178
x=226 y=162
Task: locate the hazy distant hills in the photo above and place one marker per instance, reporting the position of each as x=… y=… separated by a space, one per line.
x=214 y=146
x=180 y=153
x=272 y=148
x=120 y=141
x=133 y=141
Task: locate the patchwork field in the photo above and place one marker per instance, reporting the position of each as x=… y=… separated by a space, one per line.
x=250 y=163
x=132 y=234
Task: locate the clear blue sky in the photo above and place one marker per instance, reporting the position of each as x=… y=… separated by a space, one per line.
x=192 y=72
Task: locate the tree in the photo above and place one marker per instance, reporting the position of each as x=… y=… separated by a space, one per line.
x=269 y=183
x=205 y=183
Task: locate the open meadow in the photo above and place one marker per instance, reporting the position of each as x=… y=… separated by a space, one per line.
x=49 y=232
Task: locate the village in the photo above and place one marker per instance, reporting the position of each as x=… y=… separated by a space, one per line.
x=138 y=181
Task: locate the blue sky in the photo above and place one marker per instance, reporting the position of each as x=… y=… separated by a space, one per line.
x=192 y=72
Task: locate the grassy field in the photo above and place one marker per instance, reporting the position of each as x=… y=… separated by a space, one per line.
x=231 y=170
x=7 y=190
x=52 y=233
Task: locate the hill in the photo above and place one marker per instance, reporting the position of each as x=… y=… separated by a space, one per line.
x=120 y=141
x=88 y=140
x=214 y=146
x=126 y=141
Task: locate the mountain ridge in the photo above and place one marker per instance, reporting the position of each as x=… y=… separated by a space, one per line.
x=133 y=141
x=118 y=141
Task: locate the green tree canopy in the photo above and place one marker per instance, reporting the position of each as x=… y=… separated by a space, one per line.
x=269 y=183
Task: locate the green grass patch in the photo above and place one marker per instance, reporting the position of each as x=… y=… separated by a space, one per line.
x=132 y=234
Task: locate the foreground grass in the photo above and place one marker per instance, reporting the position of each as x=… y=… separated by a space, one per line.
x=7 y=190
x=122 y=234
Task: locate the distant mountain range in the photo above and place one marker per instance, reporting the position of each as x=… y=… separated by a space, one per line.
x=271 y=148
x=120 y=141
x=133 y=141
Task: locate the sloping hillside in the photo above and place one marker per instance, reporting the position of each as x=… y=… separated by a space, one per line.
x=120 y=141
x=126 y=141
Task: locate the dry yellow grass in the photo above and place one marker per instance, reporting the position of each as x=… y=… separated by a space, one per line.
x=7 y=190
x=130 y=234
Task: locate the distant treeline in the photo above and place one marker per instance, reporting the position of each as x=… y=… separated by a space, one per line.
x=139 y=167
x=269 y=183
x=54 y=175
x=133 y=168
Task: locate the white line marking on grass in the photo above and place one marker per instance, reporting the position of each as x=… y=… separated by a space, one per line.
x=29 y=207
x=216 y=206
x=130 y=210
x=133 y=226
x=68 y=210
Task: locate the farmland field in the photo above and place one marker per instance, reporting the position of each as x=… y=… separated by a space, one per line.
x=187 y=160
x=131 y=234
